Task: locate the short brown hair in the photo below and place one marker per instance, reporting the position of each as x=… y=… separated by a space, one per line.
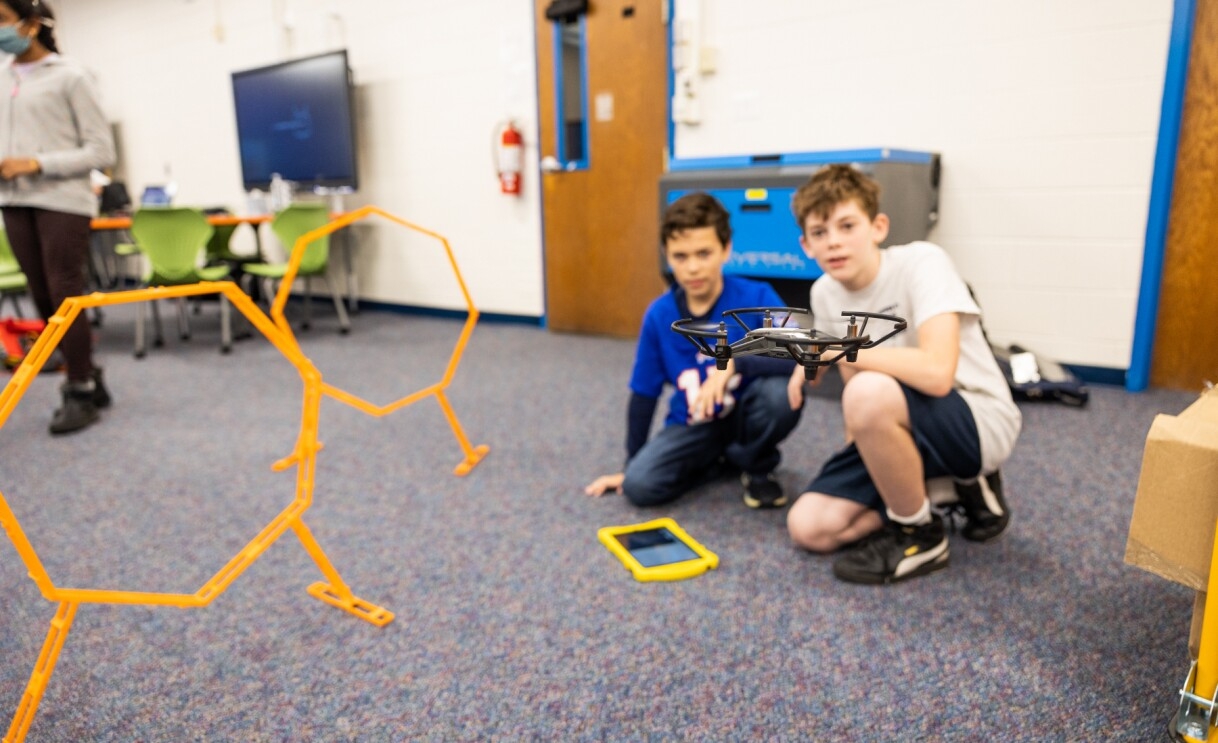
x=833 y=185
x=692 y=211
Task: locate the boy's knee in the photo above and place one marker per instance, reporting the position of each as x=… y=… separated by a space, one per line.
x=771 y=401
x=870 y=398
x=643 y=493
x=809 y=531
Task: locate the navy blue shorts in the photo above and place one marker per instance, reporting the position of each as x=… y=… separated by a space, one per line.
x=946 y=436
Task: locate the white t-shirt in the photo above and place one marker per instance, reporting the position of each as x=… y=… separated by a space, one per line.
x=917 y=282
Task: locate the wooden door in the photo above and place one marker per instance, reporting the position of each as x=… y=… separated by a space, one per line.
x=601 y=222
x=1186 y=336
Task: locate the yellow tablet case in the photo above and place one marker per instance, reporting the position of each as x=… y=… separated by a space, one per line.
x=664 y=538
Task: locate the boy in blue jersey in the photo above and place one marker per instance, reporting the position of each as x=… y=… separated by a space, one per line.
x=735 y=417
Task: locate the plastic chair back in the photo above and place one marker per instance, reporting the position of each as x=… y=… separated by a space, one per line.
x=217 y=246
x=8 y=262
x=172 y=238
x=295 y=221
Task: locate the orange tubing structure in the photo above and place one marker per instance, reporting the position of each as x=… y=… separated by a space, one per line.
x=333 y=590
x=473 y=454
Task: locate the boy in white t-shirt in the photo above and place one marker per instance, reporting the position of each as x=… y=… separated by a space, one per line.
x=930 y=402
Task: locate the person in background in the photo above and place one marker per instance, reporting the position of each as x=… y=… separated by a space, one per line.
x=929 y=403
x=52 y=134
x=734 y=418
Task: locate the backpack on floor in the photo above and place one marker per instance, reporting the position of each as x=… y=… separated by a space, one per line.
x=17 y=337
x=1033 y=377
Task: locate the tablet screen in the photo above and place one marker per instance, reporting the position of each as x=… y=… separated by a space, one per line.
x=652 y=547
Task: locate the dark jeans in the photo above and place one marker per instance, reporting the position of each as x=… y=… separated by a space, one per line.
x=680 y=457
x=52 y=249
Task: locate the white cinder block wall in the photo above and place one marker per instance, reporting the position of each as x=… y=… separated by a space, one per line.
x=433 y=81
x=1045 y=113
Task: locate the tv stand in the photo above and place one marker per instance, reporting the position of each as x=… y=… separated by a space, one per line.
x=350 y=281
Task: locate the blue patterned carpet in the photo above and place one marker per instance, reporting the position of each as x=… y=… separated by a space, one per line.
x=513 y=622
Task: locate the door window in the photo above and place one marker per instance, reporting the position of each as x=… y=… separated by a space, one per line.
x=571 y=89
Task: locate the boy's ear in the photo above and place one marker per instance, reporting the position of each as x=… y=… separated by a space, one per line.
x=880 y=227
x=803 y=243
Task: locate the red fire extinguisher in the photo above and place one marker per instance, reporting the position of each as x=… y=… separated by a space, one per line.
x=509 y=154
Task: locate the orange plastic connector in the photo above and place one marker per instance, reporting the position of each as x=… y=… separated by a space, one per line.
x=473 y=454
x=335 y=592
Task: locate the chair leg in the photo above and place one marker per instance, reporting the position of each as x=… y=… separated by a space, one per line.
x=183 y=319
x=158 y=338
x=226 y=328
x=344 y=325
x=140 y=343
x=308 y=310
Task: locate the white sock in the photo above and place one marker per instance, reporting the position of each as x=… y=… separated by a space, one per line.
x=922 y=516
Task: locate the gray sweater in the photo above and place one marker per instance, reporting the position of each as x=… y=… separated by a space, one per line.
x=53 y=114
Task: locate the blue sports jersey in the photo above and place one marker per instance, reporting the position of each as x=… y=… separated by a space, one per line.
x=666 y=357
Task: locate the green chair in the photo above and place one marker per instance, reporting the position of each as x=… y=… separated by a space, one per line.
x=173 y=240
x=13 y=283
x=288 y=226
x=217 y=248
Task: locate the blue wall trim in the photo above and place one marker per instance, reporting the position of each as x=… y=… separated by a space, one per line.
x=1170 y=115
x=409 y=309
x=1099 y=374
x=823 y=157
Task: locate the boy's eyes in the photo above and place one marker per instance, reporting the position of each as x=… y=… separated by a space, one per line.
x=701 y=254
x=819 y=233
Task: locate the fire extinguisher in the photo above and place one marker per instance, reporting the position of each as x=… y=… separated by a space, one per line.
x=509 y=155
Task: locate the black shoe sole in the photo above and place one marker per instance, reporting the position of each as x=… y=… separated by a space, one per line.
x=873 y=579
x=78 y=425
x=752 y=502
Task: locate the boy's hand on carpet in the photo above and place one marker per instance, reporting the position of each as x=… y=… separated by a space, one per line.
x=605 y=484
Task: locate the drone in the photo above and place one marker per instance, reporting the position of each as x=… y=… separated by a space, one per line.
x=783 y=340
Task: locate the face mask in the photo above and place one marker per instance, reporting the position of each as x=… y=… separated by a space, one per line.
x=12 y=41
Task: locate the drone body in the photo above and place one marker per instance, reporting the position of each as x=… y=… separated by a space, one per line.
x=806 y=345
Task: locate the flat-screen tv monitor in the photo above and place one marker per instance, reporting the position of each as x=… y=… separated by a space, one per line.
x=296 y=119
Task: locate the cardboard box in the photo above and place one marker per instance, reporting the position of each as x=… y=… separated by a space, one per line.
x=1175 y=514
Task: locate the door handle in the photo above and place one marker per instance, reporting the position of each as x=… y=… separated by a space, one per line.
x=550 y=164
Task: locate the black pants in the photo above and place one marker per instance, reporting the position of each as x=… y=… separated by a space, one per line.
x=52 y=249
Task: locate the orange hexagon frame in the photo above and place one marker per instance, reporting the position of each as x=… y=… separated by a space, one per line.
x=473 y=454
x=334 y=592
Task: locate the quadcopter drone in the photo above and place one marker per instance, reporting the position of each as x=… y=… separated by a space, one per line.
x=805 y=345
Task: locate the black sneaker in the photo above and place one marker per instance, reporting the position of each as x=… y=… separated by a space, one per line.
x=762 y=491
x=896 y=552
x=77 y=411
x=985 y=510
x=101 y=395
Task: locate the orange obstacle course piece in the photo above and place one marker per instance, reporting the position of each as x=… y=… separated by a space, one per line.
x=334 y=591
x=473 y=454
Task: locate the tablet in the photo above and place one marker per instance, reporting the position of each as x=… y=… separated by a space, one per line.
x=658 y=550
